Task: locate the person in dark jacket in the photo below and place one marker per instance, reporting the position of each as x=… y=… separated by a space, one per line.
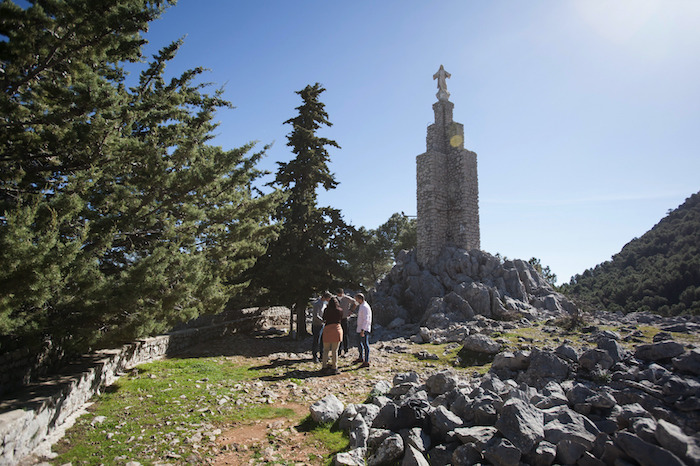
x=332 y=335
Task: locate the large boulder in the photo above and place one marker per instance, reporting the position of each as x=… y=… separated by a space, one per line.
x=521 y=423
x=327 y=409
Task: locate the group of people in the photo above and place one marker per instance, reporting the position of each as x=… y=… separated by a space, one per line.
x=330 y=328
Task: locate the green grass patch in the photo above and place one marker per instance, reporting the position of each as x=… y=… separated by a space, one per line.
x=166 y=409
x=326 y=436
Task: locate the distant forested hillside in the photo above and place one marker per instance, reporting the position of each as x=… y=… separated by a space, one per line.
x=659 y=272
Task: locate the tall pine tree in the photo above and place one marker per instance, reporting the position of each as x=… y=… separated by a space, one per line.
x=305 y=258
x=117 y=217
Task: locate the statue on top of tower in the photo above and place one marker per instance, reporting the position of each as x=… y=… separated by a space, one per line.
x=441 y=77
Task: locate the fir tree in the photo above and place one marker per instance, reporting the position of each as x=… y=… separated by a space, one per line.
x=305 y=258
x=118 y=219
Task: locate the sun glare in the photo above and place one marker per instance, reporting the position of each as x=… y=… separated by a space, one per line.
x=619 y=21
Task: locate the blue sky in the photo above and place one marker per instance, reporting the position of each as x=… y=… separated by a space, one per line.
x=585 y=115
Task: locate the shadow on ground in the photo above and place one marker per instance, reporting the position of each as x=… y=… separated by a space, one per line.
x=294 y=373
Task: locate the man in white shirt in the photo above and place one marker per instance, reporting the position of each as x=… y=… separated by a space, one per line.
x=364 y=327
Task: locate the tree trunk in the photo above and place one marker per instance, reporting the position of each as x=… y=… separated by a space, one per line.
x=291 y=320
x=300 y=308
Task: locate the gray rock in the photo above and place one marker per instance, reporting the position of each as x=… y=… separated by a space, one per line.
x=440 y=455
x=521 y=423
x=376 y=437
x=359 y=432
x=613 y=348
x=517 y=361
x=688 y=362
x=565 y=424
x=502 y=453
x=413 y=457
x=480 y=343
x=587 y=459
x=391 y=449
x=396 y=323
x=478 y=435
x=680 y=386
x=368 y=412
x=655 y=374
x=543 y=454
x=646 y=454
x=466 y=455
x=355 y=457
x=327 y=409
x=444 y=420
x=441 y=382
x=484 y=408
x=459 y=305
x=567 y=352
x=406 y=377
x=659 y=351
x=628 y=412
x=546 y=366
x=346 y=417
x=380 y=388
x=661 y=336
x=417 y=438
x=671 y=437
x=596 y=358
x=645 y=428
x=569 y=451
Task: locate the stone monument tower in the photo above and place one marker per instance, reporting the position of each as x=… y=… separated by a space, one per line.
x=447 y=184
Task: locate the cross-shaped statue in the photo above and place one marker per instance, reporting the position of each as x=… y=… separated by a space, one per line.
x=441 y=76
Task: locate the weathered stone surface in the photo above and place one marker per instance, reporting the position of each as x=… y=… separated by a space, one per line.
x=659 y=351
x=444 y=420
x=478 y=435
x=502 y=453
x=440 y=455
x=391 y=449
x=671 y=437
x=417 y=438
x=376 y=437
x=481 y=344
x=545 y=366
x=688 y=362
x=569 y=451
x=565 y=424
x=646 y=454
x=414 y=457
x=327 y=409
x=613 y=348
x=517 y=361
x=543 y=454
x=466 y=455
x=441 y=382
x=355 y=457
x=596 y=358
x=567 y=352
x=521 y=423
x=359 y=432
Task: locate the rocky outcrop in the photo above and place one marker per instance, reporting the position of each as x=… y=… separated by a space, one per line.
x=538 y=407
x=463 y=284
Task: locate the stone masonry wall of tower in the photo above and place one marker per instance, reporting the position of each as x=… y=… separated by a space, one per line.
x=447 y=185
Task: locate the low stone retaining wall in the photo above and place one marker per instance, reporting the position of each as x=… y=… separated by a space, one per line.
x=29 y=417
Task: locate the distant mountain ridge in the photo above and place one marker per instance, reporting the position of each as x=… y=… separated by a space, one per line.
x=659 y=272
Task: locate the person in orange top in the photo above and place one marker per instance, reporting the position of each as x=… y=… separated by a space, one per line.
x=332 y=335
